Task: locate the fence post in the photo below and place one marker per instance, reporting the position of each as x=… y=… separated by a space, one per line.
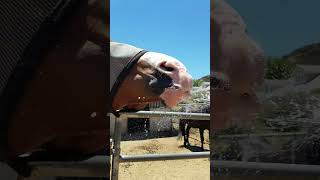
x=116 y=149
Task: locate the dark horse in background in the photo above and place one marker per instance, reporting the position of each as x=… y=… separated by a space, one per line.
x=190 y=123
x=59 y=112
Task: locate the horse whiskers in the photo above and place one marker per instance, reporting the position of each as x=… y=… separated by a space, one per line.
x=175 y=87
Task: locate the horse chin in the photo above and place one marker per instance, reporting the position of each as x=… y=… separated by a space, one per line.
x=134 y=107
x=171 y=97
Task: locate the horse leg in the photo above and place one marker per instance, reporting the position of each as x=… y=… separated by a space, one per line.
x=188 y=130
x=185 y=140
x=182 y=127
x=202 y=137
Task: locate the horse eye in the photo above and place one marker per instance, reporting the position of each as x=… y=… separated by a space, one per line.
x=245 y=95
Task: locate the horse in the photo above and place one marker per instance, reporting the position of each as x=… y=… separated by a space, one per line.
x=237 y=69
x=200 y=124
x=59 y=112
x=155 y=77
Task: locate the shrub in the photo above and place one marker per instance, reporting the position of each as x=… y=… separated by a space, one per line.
x=197 y=83
x=279 y=69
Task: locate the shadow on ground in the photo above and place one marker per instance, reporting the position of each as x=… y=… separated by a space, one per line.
x=148 y=135
x=195 y=148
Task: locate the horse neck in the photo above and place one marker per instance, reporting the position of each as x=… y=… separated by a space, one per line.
x=65 y=97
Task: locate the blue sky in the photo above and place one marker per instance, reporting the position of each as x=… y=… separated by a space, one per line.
x=280 y=26
x=179 y=28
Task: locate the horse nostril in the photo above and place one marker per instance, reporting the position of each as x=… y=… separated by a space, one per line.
x=166 y=68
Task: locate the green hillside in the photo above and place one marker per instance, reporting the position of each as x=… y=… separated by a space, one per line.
x=205 y=78
x=308 y=55
x=197 y=82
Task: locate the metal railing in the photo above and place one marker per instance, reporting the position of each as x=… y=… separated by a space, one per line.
x=117 y=158
x=94 y=167
x=222 y=168
x=250 y=135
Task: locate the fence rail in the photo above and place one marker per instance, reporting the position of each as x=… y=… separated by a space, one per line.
x=222 y=168
x=228 y=167
x=162 y=157
x=117 y=157
x=284 y=134
x=94 y=167
x=98 y=166
x=180 y=115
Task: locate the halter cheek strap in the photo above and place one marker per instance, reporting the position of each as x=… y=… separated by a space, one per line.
x=125 y=72
x=123 y=57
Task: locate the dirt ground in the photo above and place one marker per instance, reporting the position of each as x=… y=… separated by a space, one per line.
x=193 y=169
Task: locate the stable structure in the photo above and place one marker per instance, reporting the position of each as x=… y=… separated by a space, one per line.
x=117 y=158
x=151 y=124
